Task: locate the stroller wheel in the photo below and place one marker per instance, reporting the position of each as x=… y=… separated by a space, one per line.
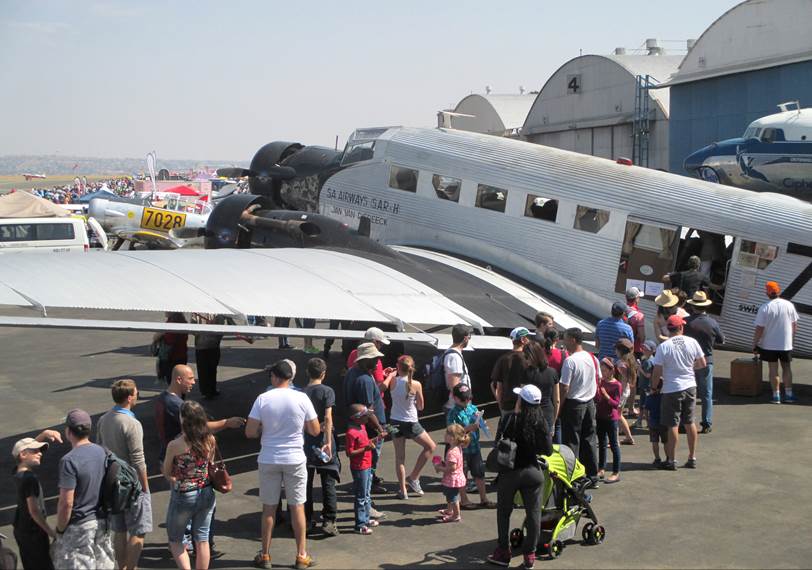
x=598 y=534
x=586 y=533
x=556 y=547
x=516 y=537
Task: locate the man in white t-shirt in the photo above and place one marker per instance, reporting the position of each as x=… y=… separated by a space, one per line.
x=776 y=327
x=456 y=371
x=280 y=417
x=673 y=375
x=578 y=386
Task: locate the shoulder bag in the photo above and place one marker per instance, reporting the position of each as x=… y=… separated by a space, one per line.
x=218 y=475
x=502 y=457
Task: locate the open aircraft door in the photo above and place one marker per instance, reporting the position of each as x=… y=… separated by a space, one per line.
x=649 y=251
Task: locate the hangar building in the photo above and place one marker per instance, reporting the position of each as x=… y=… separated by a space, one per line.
x=600 y=105
x=492 y=114
x=755 y=56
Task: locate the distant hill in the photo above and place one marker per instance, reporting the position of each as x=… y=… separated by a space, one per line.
x=58 y=164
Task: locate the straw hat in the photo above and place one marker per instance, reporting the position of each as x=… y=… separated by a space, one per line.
x=700 y=299
x=666 y=299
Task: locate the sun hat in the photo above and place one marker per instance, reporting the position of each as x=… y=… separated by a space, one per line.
x=700 y=299
x=368 y=350
x=666 y=299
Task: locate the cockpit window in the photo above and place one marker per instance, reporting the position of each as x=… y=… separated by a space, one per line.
x=357 y=152
x=447 y=188
x=772 y=135
x=491 y=198
x=401 y=178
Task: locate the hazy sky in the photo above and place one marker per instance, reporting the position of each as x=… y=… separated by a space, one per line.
x=217 y=80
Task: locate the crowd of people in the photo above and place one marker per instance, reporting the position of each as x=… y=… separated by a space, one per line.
x=549 y=390
x=70 y=193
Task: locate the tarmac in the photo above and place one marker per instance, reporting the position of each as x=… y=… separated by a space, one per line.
x=746 y=506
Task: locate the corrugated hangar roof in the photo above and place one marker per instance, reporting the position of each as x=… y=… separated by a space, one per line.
x=755 y=34
x=659 y=67
x=493 y=113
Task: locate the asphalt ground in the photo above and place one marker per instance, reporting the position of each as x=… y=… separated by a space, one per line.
x=746 y=506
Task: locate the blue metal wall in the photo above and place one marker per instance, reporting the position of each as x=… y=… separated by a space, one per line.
x=721 y=108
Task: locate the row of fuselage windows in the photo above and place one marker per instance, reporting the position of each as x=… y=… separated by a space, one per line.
x=495 y=199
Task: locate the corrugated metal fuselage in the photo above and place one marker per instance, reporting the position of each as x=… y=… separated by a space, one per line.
x=578 y=266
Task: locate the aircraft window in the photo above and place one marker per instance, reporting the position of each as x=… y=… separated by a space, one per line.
x=358 y=152
x=756 y=255
x=491 y=198
x=54 y=231
x=16 y=232
x=403 y=178
x=590 y=219
x=773 y=135
x=447 y=188
x=541 y=208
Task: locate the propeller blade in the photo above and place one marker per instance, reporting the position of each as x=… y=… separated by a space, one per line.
x=186 y=233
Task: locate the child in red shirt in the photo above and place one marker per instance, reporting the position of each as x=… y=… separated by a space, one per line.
x=359 y=450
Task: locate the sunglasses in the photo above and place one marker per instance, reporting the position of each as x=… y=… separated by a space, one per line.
x=360 y=414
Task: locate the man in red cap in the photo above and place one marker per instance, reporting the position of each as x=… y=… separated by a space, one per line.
x=776 y=327
x=674 y=365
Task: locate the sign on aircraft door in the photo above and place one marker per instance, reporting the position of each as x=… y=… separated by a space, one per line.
x=648 y=252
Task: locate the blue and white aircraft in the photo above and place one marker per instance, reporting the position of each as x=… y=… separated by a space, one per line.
x=773 y=155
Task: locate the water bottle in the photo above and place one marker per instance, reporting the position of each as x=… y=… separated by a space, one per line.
x=319 y=452
x=483 y=426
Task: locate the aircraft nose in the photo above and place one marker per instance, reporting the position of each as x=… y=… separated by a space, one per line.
x=695 y=161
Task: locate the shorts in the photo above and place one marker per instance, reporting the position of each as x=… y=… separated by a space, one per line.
x=775 y=355
x=658 y=433
x=452 y=494
x=678 y=407
x=87 y=545
x=408 y=430
x=195 y=506
x=272 y=476
x=136 y=521
x=474 y=464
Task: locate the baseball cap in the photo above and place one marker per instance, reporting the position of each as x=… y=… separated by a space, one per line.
x=374 y=333
x=78 y=418
x=529 y=393
x=27 y=443
x=772 y=288
x=368 y=350
x=633 y=293
x=462 y=391
x=675 y=322
x=650 y=345
x=518 y=333
x=618 y=309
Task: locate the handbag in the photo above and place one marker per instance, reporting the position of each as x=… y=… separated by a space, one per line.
x=218 y=475
x=502 y=457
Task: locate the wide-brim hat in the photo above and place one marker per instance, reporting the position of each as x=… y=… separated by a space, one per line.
x=666 y=299
x=368 y=350
x=700 y=299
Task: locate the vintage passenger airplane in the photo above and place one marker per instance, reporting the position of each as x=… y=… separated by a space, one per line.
x=565 y=231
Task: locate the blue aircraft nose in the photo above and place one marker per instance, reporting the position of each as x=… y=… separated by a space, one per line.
x=696 y=160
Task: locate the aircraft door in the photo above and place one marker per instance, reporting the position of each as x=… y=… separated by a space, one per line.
x=648 y=252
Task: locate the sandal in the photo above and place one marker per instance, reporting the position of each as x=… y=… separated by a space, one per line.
x=444 y=512
x=487 y=505
x=450 y=519
x=373 y=522
x=627 y=441
x=469 y=506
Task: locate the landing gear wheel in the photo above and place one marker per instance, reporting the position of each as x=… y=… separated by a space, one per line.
x=598 y=534
x=516 y=537
x=586 y=533
x=556 y=547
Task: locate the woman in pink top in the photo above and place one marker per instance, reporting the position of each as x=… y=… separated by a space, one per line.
x=452 y=469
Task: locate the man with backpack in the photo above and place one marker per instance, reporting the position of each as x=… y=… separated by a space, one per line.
x=83 y=539
x=454 y=368
x=120 y=432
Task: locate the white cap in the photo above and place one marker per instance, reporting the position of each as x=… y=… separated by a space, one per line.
x=374 y=333
x=529 y=393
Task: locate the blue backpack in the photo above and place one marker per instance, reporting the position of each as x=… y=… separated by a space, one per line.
x=435 y=373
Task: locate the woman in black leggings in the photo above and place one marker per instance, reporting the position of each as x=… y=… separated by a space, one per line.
x=528 y=428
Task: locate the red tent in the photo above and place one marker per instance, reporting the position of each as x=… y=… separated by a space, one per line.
x=183 y=190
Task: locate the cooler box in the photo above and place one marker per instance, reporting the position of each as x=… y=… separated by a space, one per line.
x=745 y=377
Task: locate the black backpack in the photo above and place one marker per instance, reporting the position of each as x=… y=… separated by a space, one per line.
x=435 y=372
x=120 y=487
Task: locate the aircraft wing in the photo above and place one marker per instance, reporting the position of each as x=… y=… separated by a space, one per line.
x=156 y=240
x=303 y=283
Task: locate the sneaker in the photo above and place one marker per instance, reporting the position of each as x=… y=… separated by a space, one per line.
x=262 y=561
x=706 y=429
x=776 y=399
x=668 y=465
x=657 y=463
x=529 y=560
x=379 y=489
x=690 y=464
x=311 y=350
x=329 y=528
x=376 y=514
x=305 y=561
x=791 y=399
x=414 y=485
x=402 y=495
x=373 y=523
x=500 y=557
x=471 y=487
x=363 y=530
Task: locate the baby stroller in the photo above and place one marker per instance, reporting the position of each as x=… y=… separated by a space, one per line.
x=563 y=503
